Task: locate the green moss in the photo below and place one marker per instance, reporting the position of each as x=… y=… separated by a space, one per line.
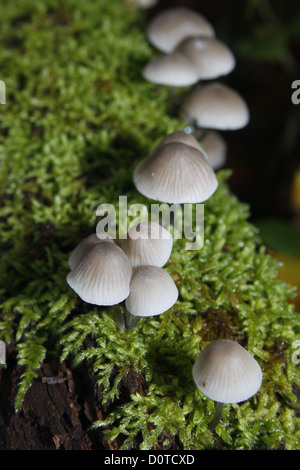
x=78 y=118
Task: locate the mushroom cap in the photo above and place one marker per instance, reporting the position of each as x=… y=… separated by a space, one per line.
x=171 y=26
x=215 y=149
x=226 y=372
x=148 y=243
x=152 y=292
x=216 y=106
x=84 y=246
x=182 y=137
x=172 y=69
x=210 y=56
x=176 y=173
x=102 y=276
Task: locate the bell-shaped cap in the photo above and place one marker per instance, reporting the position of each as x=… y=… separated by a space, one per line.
x=226 y=372
x=152 y=292
x=215 y=149
x=210 y=57
x=102 y=276
x=148 y=243
x=84 y=246
x=181 y=137
x=216 y=106
x=171 y=26
x=172 y=69
x=176 y=173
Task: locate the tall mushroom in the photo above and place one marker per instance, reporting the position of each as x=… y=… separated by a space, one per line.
x=225 y=372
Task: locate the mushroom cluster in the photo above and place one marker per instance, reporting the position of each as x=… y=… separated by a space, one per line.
x=178 y=170
x=104 y=272
x=190 y=54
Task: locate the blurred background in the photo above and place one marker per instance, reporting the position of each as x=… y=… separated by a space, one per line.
x=264 y=35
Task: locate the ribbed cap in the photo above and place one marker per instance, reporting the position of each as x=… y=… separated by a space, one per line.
x=148 y=243
x=215 y=149
x=152 y=292
x=102 y=276
x=226 y=372
x=84 y=246
x=176 y=173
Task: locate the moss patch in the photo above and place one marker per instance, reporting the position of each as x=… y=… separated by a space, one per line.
x=78 y=118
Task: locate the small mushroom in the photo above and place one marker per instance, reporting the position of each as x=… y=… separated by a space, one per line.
x=170 y=27
x=210 y=57
x=152 y=292
x=182 y=137
x=102 y=276
x=172 y=69
x=216 y=106
x=84 y=246
x=176 y=173
x=148 y=243
x=225 y=372
x=215 y=148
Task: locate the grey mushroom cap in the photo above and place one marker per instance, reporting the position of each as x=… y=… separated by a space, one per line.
x=176 y=173
x=84 y=246
x=210 y=57
x=148 y=243
x=102 y=276
x=182 y=137
x=170 y=27
x=215 y=149
x=152 y=292
x=172 y=69
x=226 y=372
x=216 y=106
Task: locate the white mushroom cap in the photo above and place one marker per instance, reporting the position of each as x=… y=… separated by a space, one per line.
x=176 y=173
x=215 y=149
x=216 y=106
x=171 y=69
x=84 y=246
x=226 y=372
x=171 y=26
x=152 y=292
x=148 y=243
x=182 y=137
x=210 y=56
x=102 y=276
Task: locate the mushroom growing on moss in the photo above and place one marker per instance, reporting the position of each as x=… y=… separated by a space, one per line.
x=176 y=173
x=216 y=106
x=174 y=69
x=148 y=243
x=173 y=25
x=225 y=372
x=152 y=292
x=102 y=276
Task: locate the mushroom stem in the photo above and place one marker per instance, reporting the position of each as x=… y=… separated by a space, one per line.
x=131 y=321
x=217 y=416
x=119 y=317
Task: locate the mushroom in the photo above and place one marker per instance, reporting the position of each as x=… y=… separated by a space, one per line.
x=215 y=148
x=175 y=173
x=210 y=57
x=84 y=246
x=102 y=276
x=225 y=372
x=216 y=106
x=171 y=26
x=148 y=243
x=182 y=137
x=173 y=69
x=152 y=292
